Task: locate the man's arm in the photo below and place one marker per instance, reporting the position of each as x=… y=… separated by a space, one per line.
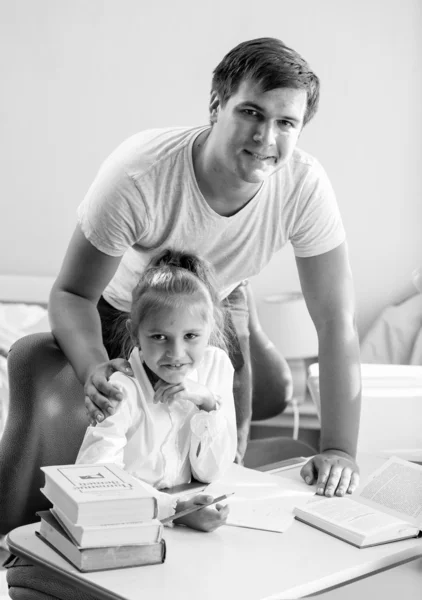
x=327 y=286
x=75 y=321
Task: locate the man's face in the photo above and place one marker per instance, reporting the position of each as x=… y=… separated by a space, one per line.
x=255 y=132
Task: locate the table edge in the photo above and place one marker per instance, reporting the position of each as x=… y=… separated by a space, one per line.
x=75 y=579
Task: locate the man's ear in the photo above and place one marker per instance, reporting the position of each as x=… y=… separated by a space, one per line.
x=214 y=107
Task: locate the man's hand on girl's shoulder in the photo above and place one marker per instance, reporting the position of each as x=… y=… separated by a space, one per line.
x=101 y=395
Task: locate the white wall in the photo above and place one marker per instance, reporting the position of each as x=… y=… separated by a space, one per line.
x=78 y=77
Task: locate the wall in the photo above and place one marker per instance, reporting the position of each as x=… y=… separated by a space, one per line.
x=78 y=77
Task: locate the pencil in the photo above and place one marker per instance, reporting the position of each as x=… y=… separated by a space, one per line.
x=194 y=508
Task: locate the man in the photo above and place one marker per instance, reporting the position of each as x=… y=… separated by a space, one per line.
x=235 y=193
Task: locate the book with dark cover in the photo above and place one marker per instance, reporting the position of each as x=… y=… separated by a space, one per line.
x=101 y=558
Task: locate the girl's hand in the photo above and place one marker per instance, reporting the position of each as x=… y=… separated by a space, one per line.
x=206 y=519
x=186 y=390
x=101 y=397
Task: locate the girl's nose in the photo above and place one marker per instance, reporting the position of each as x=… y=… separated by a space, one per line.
x=175 y=349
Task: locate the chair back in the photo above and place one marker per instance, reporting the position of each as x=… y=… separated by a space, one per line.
x=45 y=426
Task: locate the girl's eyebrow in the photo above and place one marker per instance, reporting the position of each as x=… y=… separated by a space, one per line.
x=163 y=332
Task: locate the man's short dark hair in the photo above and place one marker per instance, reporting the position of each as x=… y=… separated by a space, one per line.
x=271 y=63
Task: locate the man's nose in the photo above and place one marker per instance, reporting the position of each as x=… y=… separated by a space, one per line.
x=265 y=134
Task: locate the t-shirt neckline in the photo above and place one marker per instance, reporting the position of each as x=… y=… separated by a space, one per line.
x=200 y=196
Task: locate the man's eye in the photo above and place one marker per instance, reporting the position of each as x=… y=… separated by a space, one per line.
x=285 y=124
x=250 y=112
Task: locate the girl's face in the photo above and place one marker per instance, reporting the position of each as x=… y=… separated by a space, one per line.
x=173 y=341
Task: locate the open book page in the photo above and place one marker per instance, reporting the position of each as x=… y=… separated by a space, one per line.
x=349 y=514
x=395 y=488
x=261 y=500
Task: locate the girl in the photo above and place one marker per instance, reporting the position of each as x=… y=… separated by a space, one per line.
x=177 y=416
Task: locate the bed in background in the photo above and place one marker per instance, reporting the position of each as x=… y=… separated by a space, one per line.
x=23 y=310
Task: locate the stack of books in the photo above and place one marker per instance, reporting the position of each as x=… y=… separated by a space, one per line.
x=102 y=518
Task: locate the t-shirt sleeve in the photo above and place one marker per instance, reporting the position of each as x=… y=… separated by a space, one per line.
x=113 y=214
x=318 y=226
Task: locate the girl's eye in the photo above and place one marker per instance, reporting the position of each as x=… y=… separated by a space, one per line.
x=158 y=336
x=191 y=336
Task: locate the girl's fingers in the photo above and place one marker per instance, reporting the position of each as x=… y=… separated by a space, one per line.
x=163 y=385
x=223 y=510
x=157 y=396
x=158 y=385
x=202 y=499
x=166 y=392
x=159 y=393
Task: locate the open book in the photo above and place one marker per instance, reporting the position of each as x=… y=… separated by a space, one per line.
x=387 y=508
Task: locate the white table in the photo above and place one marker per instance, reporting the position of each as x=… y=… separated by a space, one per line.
x=404 y=582
x=233 y=562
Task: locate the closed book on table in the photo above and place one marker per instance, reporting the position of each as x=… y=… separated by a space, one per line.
x=139 y=532
x=98 y=494
x=102 y=558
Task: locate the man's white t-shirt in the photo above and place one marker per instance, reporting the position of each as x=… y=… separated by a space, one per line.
x=146 y=198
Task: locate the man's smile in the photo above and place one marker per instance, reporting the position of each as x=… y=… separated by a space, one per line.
x=261 y=157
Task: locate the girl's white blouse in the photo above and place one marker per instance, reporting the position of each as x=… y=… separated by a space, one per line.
x=161 y=444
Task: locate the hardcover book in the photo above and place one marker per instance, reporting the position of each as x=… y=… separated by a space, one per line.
x=101 y=558
x=387 y=508
x=119 y=534
x=98 y=494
